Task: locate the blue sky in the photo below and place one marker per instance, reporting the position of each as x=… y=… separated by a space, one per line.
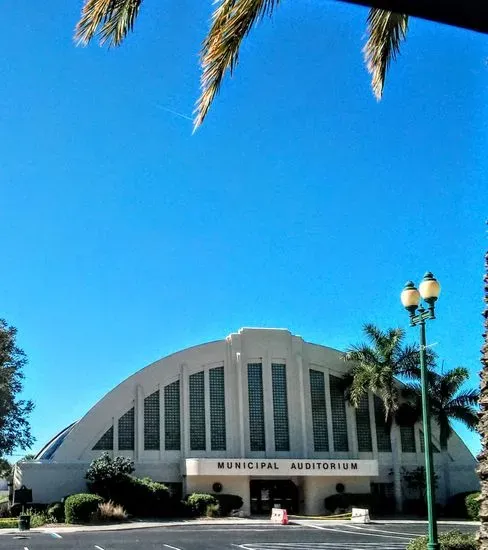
x=301 y=203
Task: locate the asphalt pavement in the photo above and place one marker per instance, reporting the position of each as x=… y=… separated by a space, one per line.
x=305 y=536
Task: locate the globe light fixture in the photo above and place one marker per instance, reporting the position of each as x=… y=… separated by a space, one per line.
x=429 y=290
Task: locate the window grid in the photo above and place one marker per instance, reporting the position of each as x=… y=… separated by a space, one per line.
x=363 y=426
x=197 y=411
x=280 y=407
x=319 y=411
x=382 y=427
x=407 y=437
x=126 y=431
x=422 y=446
x=151 y=422
x=172 y=433
x=217 y=409
x=256 y=406
x=106 y=442
x=339 y=418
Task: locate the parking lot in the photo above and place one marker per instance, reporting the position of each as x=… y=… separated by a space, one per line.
x=306 y=535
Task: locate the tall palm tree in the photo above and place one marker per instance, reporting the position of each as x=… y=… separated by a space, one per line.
x=447 y=402
x=376 y=365
x=232 y=20
x=483 y=422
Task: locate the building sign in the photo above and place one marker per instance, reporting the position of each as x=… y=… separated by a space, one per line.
x=279 y=467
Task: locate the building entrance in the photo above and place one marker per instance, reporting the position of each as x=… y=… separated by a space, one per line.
x=273 y=493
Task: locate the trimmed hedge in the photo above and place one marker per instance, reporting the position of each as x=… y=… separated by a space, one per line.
x=200 y=501
x=81 y=508
x=228 y=503
x=453 y=540
x=473 y=506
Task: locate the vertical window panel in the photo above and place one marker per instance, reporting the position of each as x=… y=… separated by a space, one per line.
x=407 y=437
x=363 y=426
x=382 y=428
x=126 y=431
x=339 y=418
x=151 y=422
x=280 y=407
x=197 y=411
x=172 y=431
x=422 y=446
x=106 y=442
x=256 y=406
x=217 y=409
x=319 y=411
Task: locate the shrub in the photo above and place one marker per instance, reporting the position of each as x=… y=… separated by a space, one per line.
x=453 y=540
x=212 y=511
x=81 y=508
x=106 y=469
x=200 y=501
x=37 y=519
x=56 y=512
x=228 y=503
x=140 y=497
x=108 y=511
x=473 y=506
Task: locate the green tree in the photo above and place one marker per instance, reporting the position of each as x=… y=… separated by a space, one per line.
x=483 y=420
x=447 y=402
x=14 y=413
x=112 y=20
x=376 y=365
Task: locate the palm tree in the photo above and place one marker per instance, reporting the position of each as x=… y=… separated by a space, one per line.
x=483 y=422
x=232 y=20
x=376 y=367
x=447 y=402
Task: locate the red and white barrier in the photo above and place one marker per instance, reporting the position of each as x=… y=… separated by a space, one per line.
x=279 y=515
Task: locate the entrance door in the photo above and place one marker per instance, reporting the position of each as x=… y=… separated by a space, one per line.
x=273 y=493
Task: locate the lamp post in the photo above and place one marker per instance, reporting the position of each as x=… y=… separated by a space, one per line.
x=429 y=290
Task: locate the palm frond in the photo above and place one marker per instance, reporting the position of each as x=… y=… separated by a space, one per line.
x=449 y=382
x=231 y=22
x=386 y=31
x=112 y=20
x=361 y=354
x=468 y=417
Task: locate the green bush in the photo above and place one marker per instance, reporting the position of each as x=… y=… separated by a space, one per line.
x=453 y=540
x=200 y=501
x=56 y=512
x=228 y=503
x=37 y=519
x=81 y=508
x=473 y=506
x=139 y=497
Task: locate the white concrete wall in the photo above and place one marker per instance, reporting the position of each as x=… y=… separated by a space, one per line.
x=316 y=489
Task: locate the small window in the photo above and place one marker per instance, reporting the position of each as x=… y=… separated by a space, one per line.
x=280 y=407
x=197 y=411
x=172 y=434
x=363 y=426
x=382 y=427
x=407 y=436
x=256 y=407
x=217 y=409
x=339 y=418
x=151 y=422
x=319 y=411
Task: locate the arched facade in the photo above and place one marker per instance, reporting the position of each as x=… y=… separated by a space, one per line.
x=257 y=412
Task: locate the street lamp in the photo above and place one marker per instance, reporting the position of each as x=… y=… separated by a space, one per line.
x=429 y=290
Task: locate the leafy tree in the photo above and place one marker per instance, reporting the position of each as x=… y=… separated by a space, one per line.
x=5 y=469
x=106 y=469
x=375 y=366
x=447 y=402
x=112 y=20
x=483 y=423
x=14 y=413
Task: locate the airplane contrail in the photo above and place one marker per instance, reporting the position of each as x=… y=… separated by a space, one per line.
x=168 y=110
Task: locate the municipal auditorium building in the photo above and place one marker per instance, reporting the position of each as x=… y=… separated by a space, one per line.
x=260 y=414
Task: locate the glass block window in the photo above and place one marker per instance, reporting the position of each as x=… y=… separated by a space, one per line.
x=126 y=431
x=106 y=442
x=151 y=422
x=197 y=411
x=256 y=406
x=217 y=409
x=422 y=446
x=319 y=411
x=172 y=433
x=407 y=437
x=339 y=419
x=363 y=426
x=382 y=428
x=280 y=407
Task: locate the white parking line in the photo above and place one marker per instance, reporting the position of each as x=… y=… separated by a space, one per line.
x=98 y=547
x=361 y=533
x=55 y=536
x=172 y=547
x=383 y=531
